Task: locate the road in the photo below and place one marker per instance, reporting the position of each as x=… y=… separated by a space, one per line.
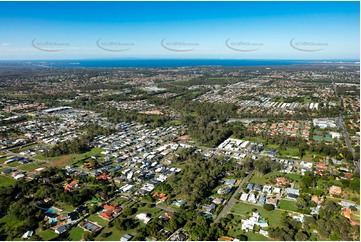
x=344 y=129
x=232 y=200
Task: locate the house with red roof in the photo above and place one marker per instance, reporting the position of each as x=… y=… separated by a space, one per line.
x=109 y=211
x=70 y=186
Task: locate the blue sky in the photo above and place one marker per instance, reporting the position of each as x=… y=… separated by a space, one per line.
x=254 y=30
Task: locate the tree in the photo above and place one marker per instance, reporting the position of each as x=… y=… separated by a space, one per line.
x=93 y=209
x=129 y=211
x=268 y=207
x=301 y=236
x=242 y=237
x=87 y=236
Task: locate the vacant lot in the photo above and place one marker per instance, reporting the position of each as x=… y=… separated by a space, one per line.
x=288 y=205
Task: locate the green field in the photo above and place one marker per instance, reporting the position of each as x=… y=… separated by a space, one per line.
x=46 y=235
x=288 y=205
x=6 y=181
x=76 y=234
x=274 y=216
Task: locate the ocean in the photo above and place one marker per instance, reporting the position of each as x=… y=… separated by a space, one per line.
x=156 y=63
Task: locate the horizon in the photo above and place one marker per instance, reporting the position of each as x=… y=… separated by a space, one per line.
x=197 y=30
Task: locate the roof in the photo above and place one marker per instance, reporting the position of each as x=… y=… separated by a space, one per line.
x=292 y=191
x=126 y=237
x=335 y=190
x=281 y=180
x=347 y=213
x=315 y=199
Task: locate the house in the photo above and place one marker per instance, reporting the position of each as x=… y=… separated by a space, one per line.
x=73 y=217
x=209 y=208
x=257 y=187
x=249 y=187
x=244 y=197
x=272 y=201
x=103 y=177
x=349 y=204
x=292 y=193
x=166 y=216
x=252 y=198
x=109 y=211
x=178 y=236
x=18 y=176
x=126 y=237
x=347 y=175
x=224 y=190
x=179 y=203
x=61 y=229
x=262 y=200
x=315 y=199
x=71 y=186
x=267 y=189
x=321 y=167
x=217 y=200
x=277 y=190
x=143 y=217
x=281 y=181
x=7 y=171
x=347 y=213
x=299 y=218
x=248 y=224
x=335 y=190
x=27 y=234
x=315 y=210
x=230 y=182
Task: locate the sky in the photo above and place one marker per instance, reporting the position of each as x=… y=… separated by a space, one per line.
x=230 y=30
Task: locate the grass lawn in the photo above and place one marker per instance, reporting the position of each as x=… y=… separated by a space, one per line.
x=261 y=179
x=3 y=159
x=154 y=211
x=6 y=181
x=256 y=237
x=295 y=177
x=355 y=216
x=288 y=205
x=76 y=234
x=116 y=234
x=274 y=216
x=289 y=152
x=31 y=166
x=47 y=235
x=64 y=206
x=235 y=230
x=95 y=218
x=64 y=160
x=272 y=146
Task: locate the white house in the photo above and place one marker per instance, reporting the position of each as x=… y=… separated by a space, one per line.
x=244 y=197
x=143 y=217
